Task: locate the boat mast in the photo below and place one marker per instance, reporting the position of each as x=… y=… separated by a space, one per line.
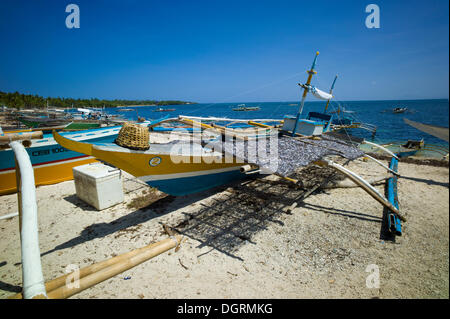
x=305 y=91
x=331 y=92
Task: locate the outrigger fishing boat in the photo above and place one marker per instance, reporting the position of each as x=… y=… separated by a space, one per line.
x=242 y=107
x=160 y=109
x=399 y=109
x=43 y=121
x=51 y=162
x=215 y=154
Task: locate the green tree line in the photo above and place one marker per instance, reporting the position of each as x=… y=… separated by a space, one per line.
x=24 y=101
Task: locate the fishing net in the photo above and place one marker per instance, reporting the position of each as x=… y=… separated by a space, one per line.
x=283 y=155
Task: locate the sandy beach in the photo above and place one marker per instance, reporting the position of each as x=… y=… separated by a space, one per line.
x=239 y=242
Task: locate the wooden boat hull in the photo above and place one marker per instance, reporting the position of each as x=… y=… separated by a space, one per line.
x=82 y=126
x=181 y=174
x=34 y=123
x=51 y=162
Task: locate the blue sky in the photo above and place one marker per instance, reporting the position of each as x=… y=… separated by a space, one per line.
x=224 y=51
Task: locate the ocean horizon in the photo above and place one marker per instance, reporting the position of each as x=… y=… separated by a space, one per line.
x=390 y=126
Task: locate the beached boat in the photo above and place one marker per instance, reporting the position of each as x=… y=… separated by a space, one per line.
x=83 y=125
x=51 y=162
x=194 y=163
x=44 y=121
x=202 y=168
x=417 y=148
x=182 y=173
x=410 y=148
x=403 y=150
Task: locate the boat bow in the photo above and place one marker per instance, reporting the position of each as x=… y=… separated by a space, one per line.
x=84 y=148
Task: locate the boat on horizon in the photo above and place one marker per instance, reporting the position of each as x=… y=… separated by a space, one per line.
x=399 y=109
x=160 y=109
x=243 y=107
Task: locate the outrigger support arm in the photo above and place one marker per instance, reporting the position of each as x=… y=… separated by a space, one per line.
x=381 y=148
x=381 y=164
x=372 y=191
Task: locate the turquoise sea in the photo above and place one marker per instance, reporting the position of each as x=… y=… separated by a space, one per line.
x=390 y=126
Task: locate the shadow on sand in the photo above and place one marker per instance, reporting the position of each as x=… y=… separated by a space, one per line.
x=224 y=224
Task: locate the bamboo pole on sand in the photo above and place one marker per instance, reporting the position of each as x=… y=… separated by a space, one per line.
x=96 y=273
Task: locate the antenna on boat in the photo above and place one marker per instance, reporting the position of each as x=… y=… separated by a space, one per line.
x=331 y=92
x=305 y=91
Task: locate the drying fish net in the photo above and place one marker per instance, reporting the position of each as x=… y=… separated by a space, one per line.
x=133 y=136
x=286 y=154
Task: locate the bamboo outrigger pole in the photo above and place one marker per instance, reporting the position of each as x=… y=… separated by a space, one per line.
x=372 y=191
x=305 y=92
x=96 y=273
x=9 y=137
x=115 y=269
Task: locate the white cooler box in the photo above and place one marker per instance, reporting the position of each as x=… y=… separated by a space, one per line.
x=98 y=185
x=304 y=127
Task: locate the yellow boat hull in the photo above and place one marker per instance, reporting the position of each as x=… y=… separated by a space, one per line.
x=159 y=167
x=45 y=174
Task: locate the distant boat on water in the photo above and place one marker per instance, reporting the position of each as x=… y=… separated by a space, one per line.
x=399 y=109
x=242 y=107
x=160 y=109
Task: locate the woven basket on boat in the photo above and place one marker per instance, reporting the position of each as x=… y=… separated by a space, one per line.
x=133 y=136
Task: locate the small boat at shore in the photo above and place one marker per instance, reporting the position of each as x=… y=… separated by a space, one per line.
x=416 y=148
x=44 y=121
x=155 y=166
